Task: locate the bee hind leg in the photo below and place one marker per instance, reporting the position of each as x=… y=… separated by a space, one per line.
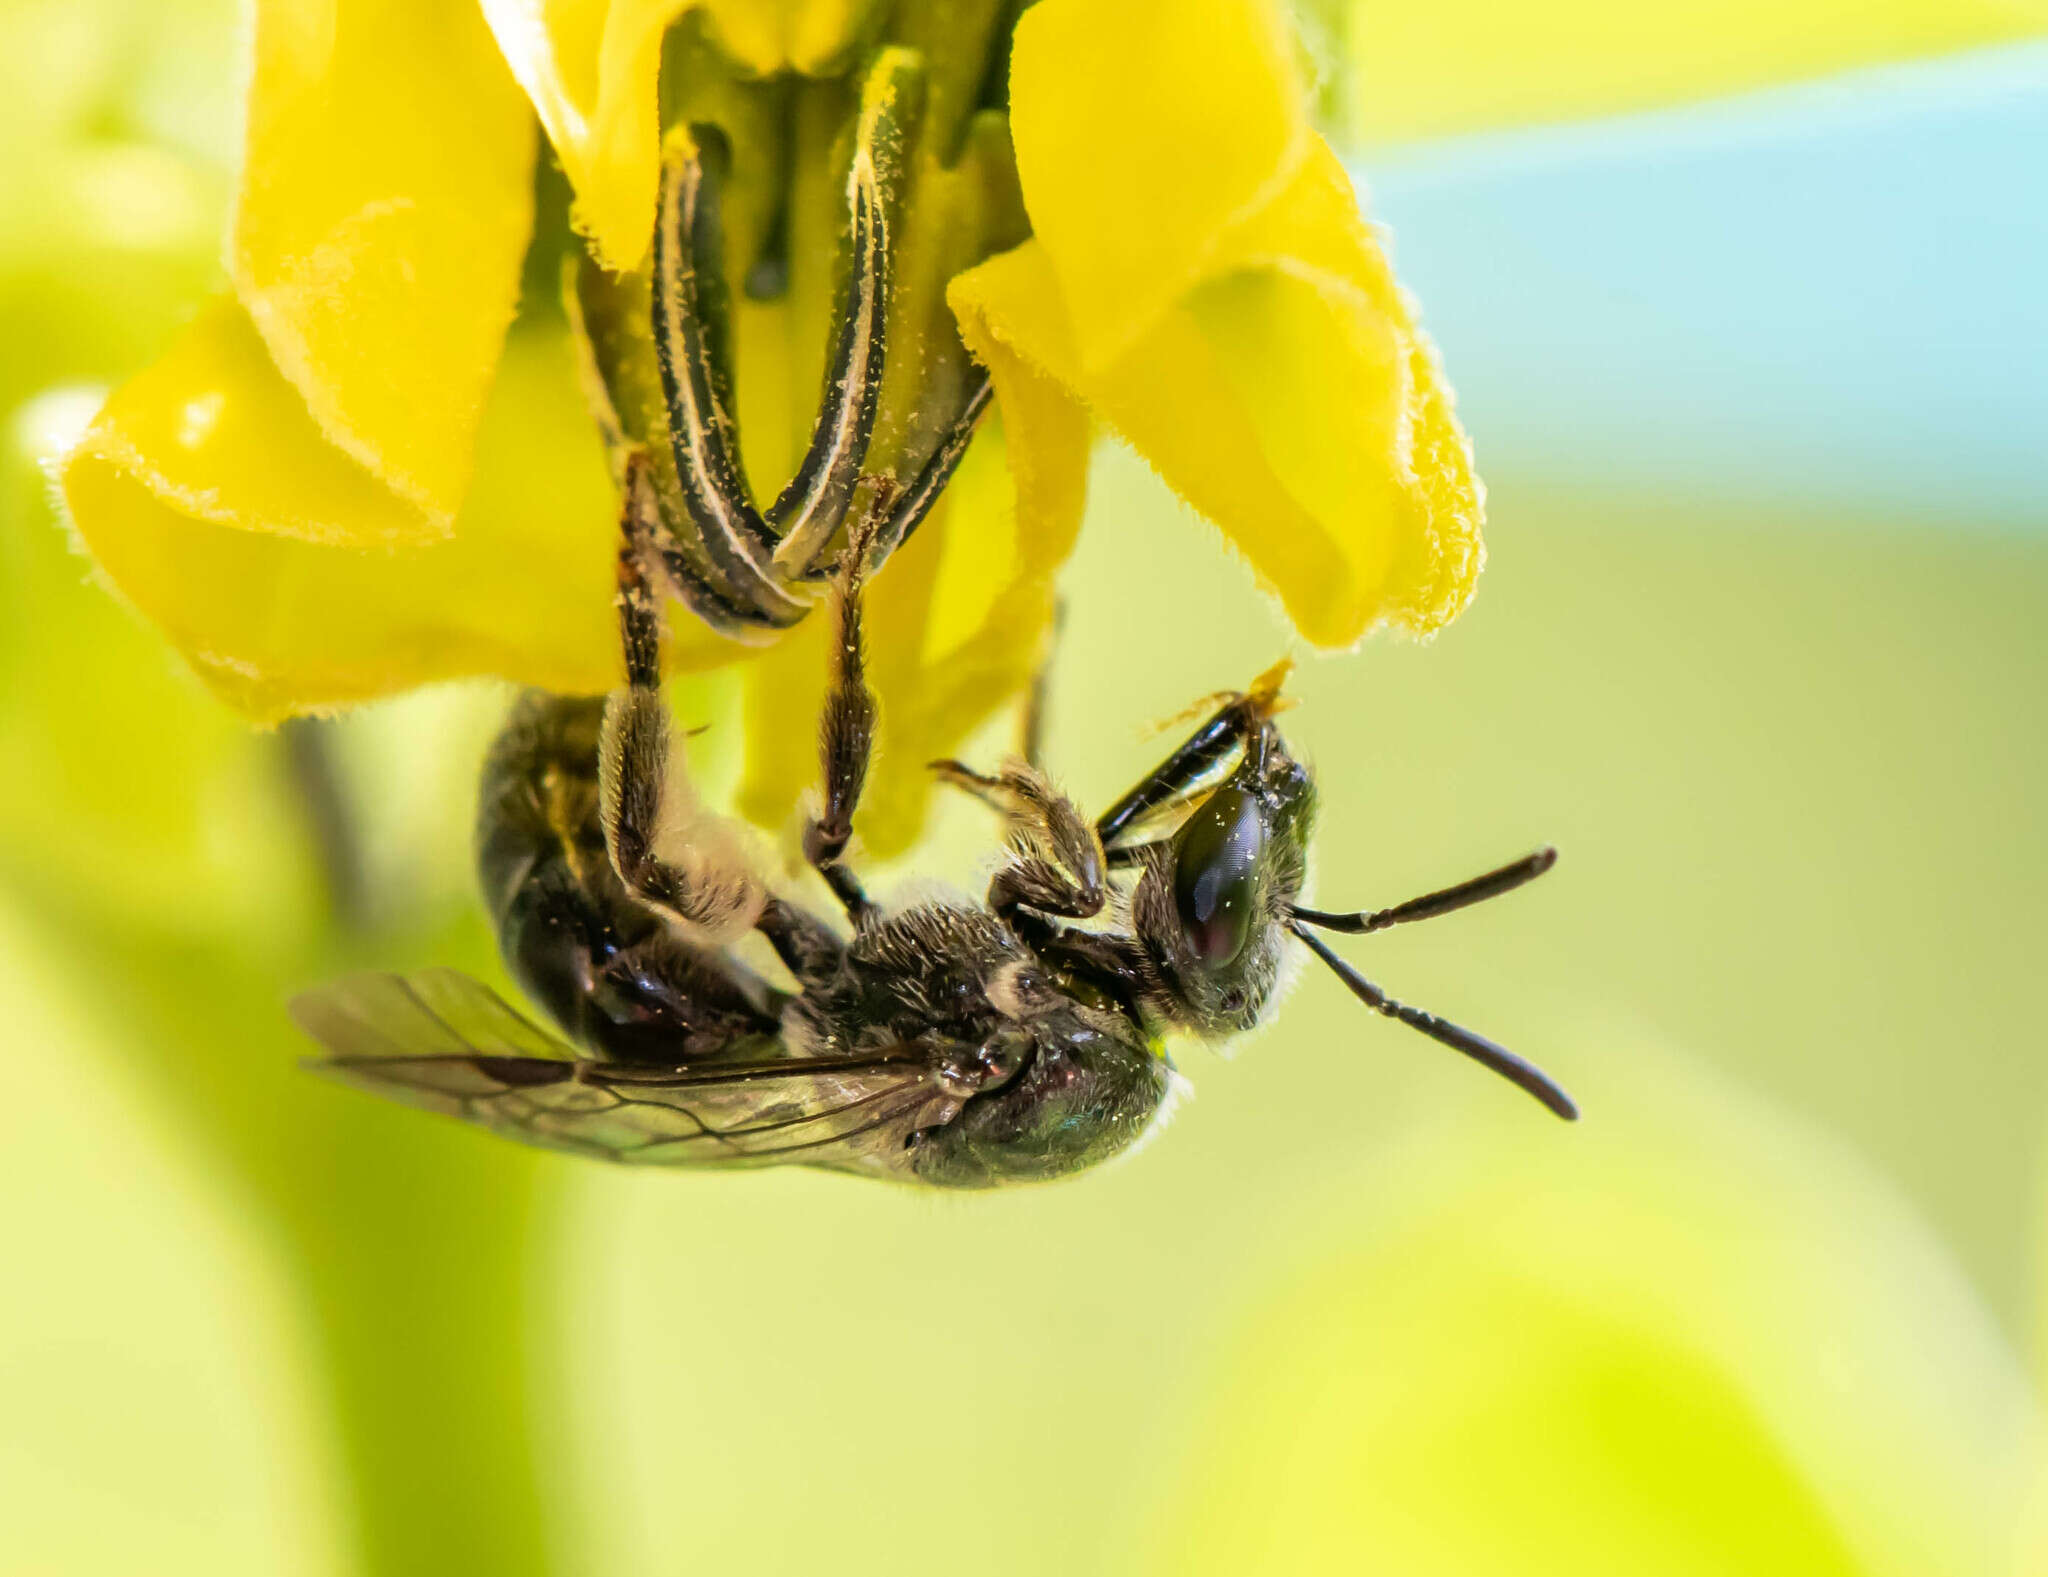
x=663 y=849
x=813 y=505
x=767 y=559
x=765 y=564
x=662 y=556
x=636 y=789
x=816 y=502
x=690 y=335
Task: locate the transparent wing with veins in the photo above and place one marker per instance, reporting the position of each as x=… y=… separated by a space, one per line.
x=445 y=1042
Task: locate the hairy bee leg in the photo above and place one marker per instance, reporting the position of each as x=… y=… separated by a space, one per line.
x=652 y=517
x=1058 y=869
x=757 y=554
x=846 y=740
x=637 y=798
x=1056 y=860
x=689 y=328
x=654 y=541
x=806 y=945
x=812 y=505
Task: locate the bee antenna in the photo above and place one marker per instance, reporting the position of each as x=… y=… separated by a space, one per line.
x=1488 y=1054
x=1430 y=905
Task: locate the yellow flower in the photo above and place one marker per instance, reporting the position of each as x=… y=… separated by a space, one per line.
x=346 y=478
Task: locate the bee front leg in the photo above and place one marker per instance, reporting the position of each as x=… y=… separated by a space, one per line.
x=1056 y=861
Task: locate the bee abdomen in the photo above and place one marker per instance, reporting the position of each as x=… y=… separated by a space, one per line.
x=604 y=966
x=538 y=802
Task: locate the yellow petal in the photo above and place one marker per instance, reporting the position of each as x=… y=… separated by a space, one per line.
x=1458 y=65
x=385 y=205
x=591 y=68
x=214 y=432
x=1296 y=404
x=134 y=794
x=1145 y=132
x=1200 y=277
x=281 y=623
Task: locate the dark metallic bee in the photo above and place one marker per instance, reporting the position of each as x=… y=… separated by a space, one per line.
x=948 y=1043
x=957 y=1044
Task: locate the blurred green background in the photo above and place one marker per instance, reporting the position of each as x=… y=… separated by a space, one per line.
x=1761 y=647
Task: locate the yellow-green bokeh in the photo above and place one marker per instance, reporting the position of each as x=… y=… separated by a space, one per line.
x=1723 y=732
x=1360 y=1308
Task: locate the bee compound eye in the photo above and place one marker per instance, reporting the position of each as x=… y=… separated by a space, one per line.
x=1216 y=855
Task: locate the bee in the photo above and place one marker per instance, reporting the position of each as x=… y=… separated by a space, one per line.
x=948 y=1043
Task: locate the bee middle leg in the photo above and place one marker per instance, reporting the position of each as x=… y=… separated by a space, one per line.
x=846 y=740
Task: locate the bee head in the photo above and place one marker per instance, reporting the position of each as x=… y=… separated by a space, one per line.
x=1212 y=903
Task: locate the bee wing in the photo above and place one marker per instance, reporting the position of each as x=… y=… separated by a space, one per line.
x=448 y=1043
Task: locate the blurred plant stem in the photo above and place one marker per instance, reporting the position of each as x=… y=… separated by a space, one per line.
x=174 y=862
x=410 y=1246
x=420 y=1301
x=308 y=745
